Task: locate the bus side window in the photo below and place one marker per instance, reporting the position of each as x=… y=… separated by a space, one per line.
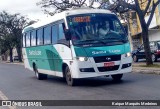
x=61 y=36
x=54 y=34
x=47 y=35
x=40 y=36
x=24 y=40
x=33 y=38
x=28 y=39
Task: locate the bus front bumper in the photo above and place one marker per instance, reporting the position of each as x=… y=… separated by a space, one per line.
x=92 y=69
x=91 y=73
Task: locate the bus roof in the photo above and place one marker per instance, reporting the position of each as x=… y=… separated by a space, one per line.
x=62 y=16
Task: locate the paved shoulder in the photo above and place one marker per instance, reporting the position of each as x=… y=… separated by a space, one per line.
x=146 y=70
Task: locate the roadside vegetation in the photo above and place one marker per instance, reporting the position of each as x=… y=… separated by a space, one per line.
x=11 y=26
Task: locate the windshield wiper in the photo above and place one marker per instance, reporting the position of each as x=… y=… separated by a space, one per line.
x=117 y=39
x=93 y=40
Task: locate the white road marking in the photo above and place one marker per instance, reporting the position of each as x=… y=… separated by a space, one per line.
x=3 y=97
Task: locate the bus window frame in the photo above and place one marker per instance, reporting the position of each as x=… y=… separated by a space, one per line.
x=57 y=34
x=40 y=28
x=23 y=40
x=57 y=23
x=34 y=30
x=46 y=26
x=28 y=32
x=51 y=24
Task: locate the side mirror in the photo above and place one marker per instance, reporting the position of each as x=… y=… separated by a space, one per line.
x=67 y=34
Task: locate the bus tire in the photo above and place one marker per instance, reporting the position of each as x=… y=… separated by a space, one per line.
x=117 y=77
x=39 y=76
x=70 y=81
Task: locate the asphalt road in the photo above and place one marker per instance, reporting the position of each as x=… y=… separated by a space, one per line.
x=18 y=83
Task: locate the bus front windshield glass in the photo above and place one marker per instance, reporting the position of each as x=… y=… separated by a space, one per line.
x=96 y=29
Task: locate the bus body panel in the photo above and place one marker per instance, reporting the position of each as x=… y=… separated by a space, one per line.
x=49 y=59
x=101 y=52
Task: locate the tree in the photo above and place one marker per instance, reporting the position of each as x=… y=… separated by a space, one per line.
x=6 y=38
x=53 y=6
x=123 y=6
x=11 y=26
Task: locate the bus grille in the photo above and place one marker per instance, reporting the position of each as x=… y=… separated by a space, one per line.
x=107 y=58
x=104 y=69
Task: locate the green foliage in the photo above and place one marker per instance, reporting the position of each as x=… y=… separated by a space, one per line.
x=11 y=26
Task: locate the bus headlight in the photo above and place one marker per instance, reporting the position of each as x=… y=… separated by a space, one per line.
x=128 y=54
x=82 y=58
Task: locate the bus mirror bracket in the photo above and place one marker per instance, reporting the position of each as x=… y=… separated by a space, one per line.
x=67 y=34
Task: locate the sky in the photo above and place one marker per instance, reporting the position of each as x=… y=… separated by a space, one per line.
x=26 y=8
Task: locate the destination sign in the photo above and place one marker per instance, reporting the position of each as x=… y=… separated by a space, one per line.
x=81 y=19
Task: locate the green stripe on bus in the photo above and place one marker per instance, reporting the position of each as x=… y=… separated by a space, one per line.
x=102 y=51
x=45 y=57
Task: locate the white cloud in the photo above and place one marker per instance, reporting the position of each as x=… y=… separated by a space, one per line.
x=25 y=7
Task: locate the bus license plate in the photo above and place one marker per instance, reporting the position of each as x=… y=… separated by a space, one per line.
x=109 y=64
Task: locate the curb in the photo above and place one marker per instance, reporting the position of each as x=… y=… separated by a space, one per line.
x=146 y=70
x=17 y=63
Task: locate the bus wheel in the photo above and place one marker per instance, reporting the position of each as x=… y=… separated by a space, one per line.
x=117 y=77
x=39 y=75
x=70 y=81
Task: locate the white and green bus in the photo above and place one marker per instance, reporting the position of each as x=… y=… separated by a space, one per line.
x=77 y=43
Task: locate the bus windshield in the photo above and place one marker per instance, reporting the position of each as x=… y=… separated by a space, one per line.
x=96 y=28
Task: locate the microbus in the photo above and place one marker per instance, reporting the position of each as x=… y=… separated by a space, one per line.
x=77 y=43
